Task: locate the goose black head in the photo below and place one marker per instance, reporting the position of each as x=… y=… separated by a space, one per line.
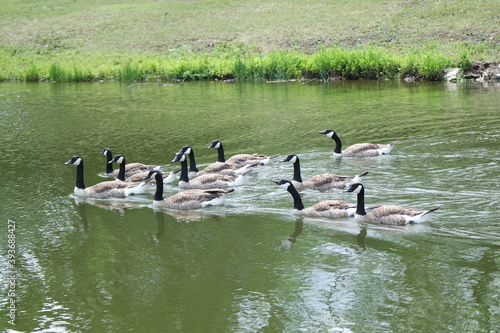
x=291 y=158
x=152 y=173
x=329 y=133
x=107 y=152
x=215 y=144
x=355 y=188
x=75 y=160
x=186 y=150
x=118 y=159
x=179 y=157
x=283 y=183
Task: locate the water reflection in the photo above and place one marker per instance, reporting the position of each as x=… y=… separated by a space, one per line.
x=251 y=264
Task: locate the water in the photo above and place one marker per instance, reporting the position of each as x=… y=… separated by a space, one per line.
x=251 y=265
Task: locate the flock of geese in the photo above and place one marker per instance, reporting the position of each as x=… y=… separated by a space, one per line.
x=208 y=187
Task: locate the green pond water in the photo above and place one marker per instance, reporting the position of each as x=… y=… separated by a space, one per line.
x=250 y=265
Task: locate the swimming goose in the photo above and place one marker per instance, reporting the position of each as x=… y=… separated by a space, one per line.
x=239 y=159
x=189 y=199
x=223 y=168
x=211 y=180
x=322 y=181
x=328 y=208
x=106 y=189
x=359 y=149
x=168 y=177
x=387 y=214
x=130 y=169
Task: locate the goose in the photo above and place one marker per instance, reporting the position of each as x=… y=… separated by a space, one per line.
x=387 y=214
x=130 y=169
x=239 y=159
x=322 y=181
x=211 y=180
x=189 y=199
x=168 y=177
x=359 y=149
x=328 y=208
x=223 y=168
x=105 y=189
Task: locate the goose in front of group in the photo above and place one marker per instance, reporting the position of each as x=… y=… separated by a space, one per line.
x=223 y=168
x=107 y=189
x=322 y=181
x=359 y=149
x=210 y=180
x=130 y=168
x=168 y=177
x=328 y=208
x=189 y=199
x=387 y=214
x=240 y=159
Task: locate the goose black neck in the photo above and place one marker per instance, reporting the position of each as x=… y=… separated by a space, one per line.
x=79 y=176
x=360 y=206
x=159 y=187
x=192 y=162
x=184 y=172
x=220 y=154
x=296 y=171
x=338 y=144
x=121 y=171
x=109 y=166
x=297 y=200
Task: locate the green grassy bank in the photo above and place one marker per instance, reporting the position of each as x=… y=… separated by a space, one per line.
x=85 y=40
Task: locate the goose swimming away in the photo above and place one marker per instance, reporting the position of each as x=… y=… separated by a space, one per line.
x=328 y=208
x=168 y=177
x=240 y=159
x=189 y=199
x=105 y=189
x=359 y=149
x=211 y=180
x=322 y=181
x=387 y=214
x=130 y=169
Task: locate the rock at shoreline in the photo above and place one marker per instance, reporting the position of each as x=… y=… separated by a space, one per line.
x=479 y=71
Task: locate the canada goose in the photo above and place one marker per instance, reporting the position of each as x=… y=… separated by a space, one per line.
x=387 y=214
x=130 y=169
x=168 y=177
x=328 y=208
x=322 y=181
x=359 y=149
x=105 y=189
x=239 y=159
x=189 y=199
x=218 y=167
x=211 y=180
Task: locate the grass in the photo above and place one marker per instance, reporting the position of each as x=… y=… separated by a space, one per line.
x=82 y=40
